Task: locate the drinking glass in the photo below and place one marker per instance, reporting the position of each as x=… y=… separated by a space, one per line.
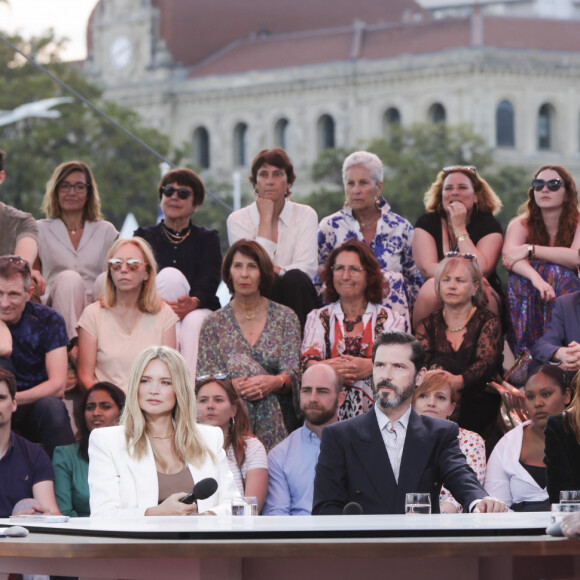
x=418 y=503
x=570 y=496
x=245 y=506
x=559 y=510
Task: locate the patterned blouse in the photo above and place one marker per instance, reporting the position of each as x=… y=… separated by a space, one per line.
x=325 y=337
x=223 y=348
x=391 y=246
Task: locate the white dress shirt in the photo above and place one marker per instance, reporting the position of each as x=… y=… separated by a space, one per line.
x=394 y=435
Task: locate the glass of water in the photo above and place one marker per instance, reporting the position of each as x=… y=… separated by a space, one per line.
x=418 y=503
x=559 y=510
x=570 y=496
x=245 y=506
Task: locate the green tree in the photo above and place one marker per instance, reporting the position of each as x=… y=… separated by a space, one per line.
x=126 y=173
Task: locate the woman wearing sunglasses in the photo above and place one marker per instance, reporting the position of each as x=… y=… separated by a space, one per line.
x=129 y=318
x=460 y=206
x=541 y=254
x=73 y=241
x=465 y=339
x=188 y=256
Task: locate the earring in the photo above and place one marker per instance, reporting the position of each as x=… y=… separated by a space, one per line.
x=378 y=202
x=346 y=201
x=232 y=423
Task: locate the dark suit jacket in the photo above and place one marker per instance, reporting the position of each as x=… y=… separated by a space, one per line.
x=353 y=466
x=563 y=328
x=562 y=458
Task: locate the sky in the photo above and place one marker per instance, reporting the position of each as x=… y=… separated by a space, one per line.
x=68 y=18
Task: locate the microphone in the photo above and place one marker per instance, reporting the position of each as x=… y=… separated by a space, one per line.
x=201 y=490
x=555 y=529
x=352 y=509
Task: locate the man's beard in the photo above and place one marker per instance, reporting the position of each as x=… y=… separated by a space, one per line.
x=321 y=417
x=400 y=395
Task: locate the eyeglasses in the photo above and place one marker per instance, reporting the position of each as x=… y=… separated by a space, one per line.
x=182 y=192
x=460 y=255
x=132 y=263
x=217 y=377
x=552 y=184
x=78 y=187
x=352 y=270
x=451 y=168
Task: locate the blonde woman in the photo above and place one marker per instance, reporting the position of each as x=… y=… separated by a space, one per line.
x=129 y=318
x=157 y=454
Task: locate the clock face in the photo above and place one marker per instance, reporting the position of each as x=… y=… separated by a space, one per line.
x=121 y=52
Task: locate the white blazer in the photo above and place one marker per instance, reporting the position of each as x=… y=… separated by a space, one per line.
x=122 y=485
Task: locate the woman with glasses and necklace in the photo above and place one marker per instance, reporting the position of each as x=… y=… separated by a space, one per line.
x=73 y=241
x=541 y=253
x=465 y=339
x=367 y=216
x=130 y=317
x=188 y=256
x=460 y=206
x=342 y=334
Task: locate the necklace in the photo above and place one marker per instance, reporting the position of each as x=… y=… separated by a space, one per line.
x=173 y=237
x=73 y=231
x=253 y=313
x=157 y=437
x=459 y=328
x=350 y=324
x=367 y=225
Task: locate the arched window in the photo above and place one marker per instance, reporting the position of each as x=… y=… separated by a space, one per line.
x=240 y=147
x=201 y=147
x=437 y=113
x=391 y=118
x=325 y=130
x=281 y=133
x=504 y=125
x=545 y=129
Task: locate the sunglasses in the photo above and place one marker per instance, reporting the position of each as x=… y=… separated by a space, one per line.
x=182 y=192
x=17 y=261
x=454 y=254
x=452 y=168
x=552 y=184
x=132 y=263
x=217 y=376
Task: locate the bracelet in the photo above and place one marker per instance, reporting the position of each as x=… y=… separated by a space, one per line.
x=463 y=238
x=283 y=387
x=530 y=251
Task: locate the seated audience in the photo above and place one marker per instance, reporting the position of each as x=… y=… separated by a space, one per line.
x=516 y=472
x=219 y=404
x=541 y=253
x=25 y=469
x=465 y=339
x=435 y=398
x=286 y=230
x=39 y=358
x=367 y=217
x=291 y=463
x=102 y=405
x=129 y=317
x=460 y=206
x=256 y=341
x=562 y=448
x=342 y=334
x=560 y=344
x=157 y=454
x=188 y=257
x=73 y=240
x=19 y=234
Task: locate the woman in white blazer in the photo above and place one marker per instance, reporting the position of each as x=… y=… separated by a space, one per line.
x=157 y=454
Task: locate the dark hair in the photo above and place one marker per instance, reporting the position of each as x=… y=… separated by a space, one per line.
x=553 y=372
x=2 y=156
x=276 y=157
x=399 y=337
x=252 y=250
x=537 y=233
x=375 y=280
x=184 y=176
x=11 y=266
x=7 y=377
x=240 y=427
x=118 y=397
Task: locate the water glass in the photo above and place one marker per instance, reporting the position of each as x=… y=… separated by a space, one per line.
x=559 y=510
x=245 y=506
x=570 y=496
x=418 y=503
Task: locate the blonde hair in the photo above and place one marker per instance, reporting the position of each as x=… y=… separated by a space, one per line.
x=149 y=300
x=473 y=270
x=571 y=416
x=50 y=205
x=188 y=441
x=487 y=201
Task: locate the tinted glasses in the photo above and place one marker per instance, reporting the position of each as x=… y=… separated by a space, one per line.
x=551 y=184
x=182 y=192
x=132 y=263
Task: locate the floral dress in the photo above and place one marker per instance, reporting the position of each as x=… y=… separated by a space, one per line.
x=392 y=246
x=223 y=348
x=325 y=337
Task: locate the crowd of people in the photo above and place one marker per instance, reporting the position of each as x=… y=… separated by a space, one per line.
x=354 y=349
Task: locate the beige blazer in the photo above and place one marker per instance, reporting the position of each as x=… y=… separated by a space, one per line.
x=121 y=485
